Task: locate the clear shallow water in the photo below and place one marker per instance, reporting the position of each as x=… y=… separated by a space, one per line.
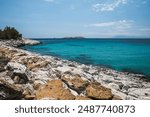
x=119 y=54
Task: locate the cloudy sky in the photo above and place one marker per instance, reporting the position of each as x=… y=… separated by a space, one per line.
x=88 y=18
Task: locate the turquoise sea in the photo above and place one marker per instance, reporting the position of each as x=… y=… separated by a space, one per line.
x=132 y=55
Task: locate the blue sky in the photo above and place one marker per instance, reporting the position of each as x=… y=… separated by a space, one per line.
x=88 y=18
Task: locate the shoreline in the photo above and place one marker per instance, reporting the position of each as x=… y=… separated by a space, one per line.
x=77 y=81
x=126 y=70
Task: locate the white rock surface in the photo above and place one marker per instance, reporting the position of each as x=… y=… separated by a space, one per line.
x=30 y=41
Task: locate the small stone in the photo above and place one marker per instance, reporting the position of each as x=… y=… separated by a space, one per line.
x=16 y=79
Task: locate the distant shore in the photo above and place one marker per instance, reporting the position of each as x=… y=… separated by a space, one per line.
x=31 y=76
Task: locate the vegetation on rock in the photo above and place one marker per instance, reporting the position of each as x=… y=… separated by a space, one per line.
x=10 y=33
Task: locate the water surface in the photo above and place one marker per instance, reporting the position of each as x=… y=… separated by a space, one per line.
x=131 y=55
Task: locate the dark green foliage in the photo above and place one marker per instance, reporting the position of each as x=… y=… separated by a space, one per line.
x=10 y=33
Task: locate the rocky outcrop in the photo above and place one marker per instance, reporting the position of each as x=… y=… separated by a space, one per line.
x=30 y=42
x=18 y=42
x=12 y=42
x=31 y=76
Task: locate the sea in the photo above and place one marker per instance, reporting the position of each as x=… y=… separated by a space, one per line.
x=128 y=55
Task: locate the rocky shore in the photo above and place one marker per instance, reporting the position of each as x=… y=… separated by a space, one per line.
x=26 y=75
x=19 y=42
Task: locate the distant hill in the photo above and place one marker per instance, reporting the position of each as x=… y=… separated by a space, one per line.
x=123 y=36
x=78 y=37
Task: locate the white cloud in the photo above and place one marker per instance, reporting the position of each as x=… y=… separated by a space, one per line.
x=108 y=6
x=121 y=24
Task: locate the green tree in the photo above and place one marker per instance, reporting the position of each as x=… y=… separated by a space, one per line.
x=0 y=34
x=10 y=33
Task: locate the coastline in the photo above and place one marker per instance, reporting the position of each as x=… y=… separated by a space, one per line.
x=31 y=75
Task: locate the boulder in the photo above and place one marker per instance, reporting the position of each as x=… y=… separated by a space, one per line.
x=19 y=70
x=54 y=89
x=76 y=83
x=96 y=91
x=9 y=91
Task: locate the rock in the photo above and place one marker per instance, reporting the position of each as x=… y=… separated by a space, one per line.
x=3 y=62
x=41 y=75
x=119 y=93
x=13 y=42
x=76 y=83
x=29 y=89
x=142 y=92
x=96 y=91
x=9 y=91
x=54 y=90
x=29 y=97
x=114 y=86
x=30 y=60
x=34 y=71
x=37 y=84
x=16 y=79
x=37 y=65
x=20 y=71
x=63 y=69
x=30 y=42
x=116 y=97
x=82 y=98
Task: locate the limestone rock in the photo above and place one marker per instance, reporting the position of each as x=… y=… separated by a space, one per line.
x=54 y=90
x=34 y=71
x=20 y=71
x=116 y=97
x=76 y=83
x=37 y=65
x=9 y=91
x=96 y=91
x=13 y=42
x=3 y=62
x=30 y=42
x=37 y=84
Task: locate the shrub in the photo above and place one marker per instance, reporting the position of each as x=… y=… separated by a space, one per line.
x=10 y=33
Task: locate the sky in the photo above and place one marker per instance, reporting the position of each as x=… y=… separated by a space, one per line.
x=87 y=18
